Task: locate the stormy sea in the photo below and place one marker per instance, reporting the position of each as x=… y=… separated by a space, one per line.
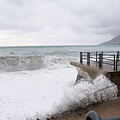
x=39 y=82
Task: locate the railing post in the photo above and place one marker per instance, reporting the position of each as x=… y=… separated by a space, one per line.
x=100 y=60
x=96 y=56
x=102 y=57
x=117 y=59
x=81 y=56
x=114 y=63
x=88 y=58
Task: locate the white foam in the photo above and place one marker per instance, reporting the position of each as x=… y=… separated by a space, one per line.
x=86 y=93
x=45 y=92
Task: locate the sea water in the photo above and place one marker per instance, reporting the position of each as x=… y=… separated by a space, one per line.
x=39 y=82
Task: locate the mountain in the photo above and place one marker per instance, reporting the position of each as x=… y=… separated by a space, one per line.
x=114 y=41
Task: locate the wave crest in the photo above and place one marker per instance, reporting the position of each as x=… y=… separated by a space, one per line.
x=34 y=62
x=20 y=63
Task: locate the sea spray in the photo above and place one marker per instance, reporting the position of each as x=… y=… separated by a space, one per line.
x=86 y=93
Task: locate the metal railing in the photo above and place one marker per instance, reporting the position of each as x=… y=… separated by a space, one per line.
x=93 y=115
x=100 y=58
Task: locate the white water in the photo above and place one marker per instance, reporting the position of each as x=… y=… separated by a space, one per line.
x=41 y=87
x=46 y=92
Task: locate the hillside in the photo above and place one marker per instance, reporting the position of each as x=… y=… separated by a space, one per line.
x=114 y=41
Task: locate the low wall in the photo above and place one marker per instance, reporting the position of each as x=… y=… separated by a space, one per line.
x=90 y=73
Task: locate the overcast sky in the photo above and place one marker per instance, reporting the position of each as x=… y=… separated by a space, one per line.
x=58 y=22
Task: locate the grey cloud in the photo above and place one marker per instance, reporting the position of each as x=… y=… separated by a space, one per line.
x=31 y=15
x=17 y=15
x=76 y=14
x=80 y=17
x=96 y=16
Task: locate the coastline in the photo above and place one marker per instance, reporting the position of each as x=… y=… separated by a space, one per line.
x=105 y=109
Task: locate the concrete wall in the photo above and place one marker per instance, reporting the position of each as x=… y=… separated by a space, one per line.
x=90 y=73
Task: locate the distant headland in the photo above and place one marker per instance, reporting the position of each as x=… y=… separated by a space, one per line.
x=114 y=41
